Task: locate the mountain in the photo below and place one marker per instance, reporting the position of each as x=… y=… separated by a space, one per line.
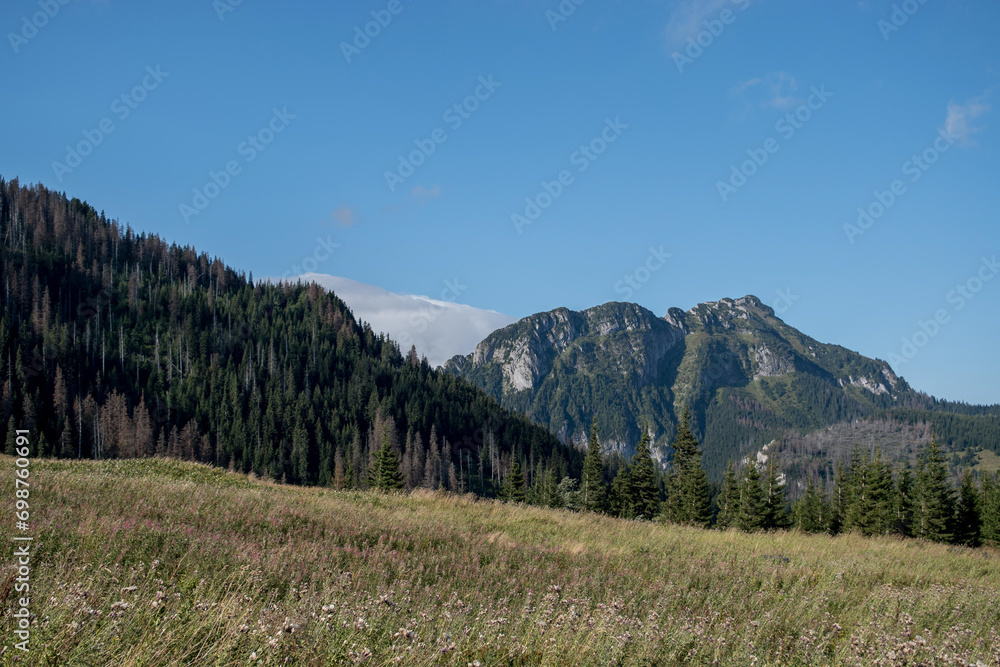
x=439 y=328
x=115 y=344
x=748 y=377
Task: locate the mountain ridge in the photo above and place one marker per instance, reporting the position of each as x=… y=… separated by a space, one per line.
x=748 y=376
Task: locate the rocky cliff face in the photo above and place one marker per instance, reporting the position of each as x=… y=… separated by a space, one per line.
x=732 y=360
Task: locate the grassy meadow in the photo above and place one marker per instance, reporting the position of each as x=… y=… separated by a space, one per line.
x=156 y=562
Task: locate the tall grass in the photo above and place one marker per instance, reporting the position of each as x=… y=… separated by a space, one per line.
x=158 y=562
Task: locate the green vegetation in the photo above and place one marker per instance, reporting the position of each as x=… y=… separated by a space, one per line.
x=154 y=561
x=118 y=345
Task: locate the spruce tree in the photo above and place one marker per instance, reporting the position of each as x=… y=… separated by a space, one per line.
x=843 y=491
x=752 y=500
x=775 y=500
x=968 y=525
x=384 y=474
x=513 y=484
x=729 y=499
x=903 y=523
x=642 y=480
x=621 y=501
x=934 y=498
x=549 y=495
x=871 y=510
x=593 y=492
x=811 y=510
x=688 y=501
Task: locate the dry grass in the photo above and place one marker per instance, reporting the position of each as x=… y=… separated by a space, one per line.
x=167 y=563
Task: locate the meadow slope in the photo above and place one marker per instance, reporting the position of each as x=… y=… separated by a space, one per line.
x=156 y=562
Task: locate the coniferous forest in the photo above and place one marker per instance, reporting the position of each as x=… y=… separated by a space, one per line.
x=118 y=345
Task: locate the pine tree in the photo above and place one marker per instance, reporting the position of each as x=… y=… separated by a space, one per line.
x=934 y=498
x=752 y=500
x=968 y=526
x=593 y=492
x=775 y=501
x=513 y=484
x=643 y=491
x=729 y=499
x=688 y=502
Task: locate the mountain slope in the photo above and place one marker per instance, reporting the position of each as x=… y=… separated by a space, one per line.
x=748 y=376
x=116 y=344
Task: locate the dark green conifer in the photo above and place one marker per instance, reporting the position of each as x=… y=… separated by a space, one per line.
x=990 y=503
x=934 y=497
x=688 y=501
x=593 y=492
x=384 y=474
x=642 y=480
x=775 y=501
x=968 y=525
x=513 y=484
x=811 y=510
x=621 y=501
x=729 y=499
x=752 y=500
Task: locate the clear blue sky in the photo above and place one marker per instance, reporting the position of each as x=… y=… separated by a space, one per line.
x=323 y=175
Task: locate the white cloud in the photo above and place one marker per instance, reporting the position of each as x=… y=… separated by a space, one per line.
x=958 y=121
x=440 y=329
x=688 y=18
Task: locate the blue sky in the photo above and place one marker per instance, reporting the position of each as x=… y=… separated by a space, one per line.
x=222 y=83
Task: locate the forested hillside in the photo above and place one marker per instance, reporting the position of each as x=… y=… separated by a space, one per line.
x=117 y=344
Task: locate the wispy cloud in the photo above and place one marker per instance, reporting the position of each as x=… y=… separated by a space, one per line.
x=688 y=17
x=958 y=122
x=420 y=192
x=776 y=90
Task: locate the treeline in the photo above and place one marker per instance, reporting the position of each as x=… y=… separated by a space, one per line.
x=868 y=497
x=117 y=344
